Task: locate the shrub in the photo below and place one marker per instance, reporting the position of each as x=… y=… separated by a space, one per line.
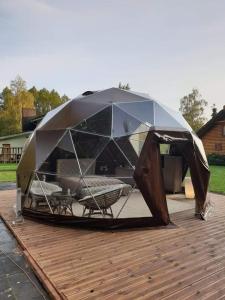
x=216 y=159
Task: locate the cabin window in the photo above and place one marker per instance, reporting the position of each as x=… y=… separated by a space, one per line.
x=218 y=147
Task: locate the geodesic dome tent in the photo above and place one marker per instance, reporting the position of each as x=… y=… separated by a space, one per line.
x=91 y=157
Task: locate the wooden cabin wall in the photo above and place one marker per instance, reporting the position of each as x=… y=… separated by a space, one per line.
x=214 y=139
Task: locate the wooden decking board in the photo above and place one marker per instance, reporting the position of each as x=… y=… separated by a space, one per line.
x=137 y=263
x=183 y=262
x=66 y=263
x=169 y=286
x=158 y=281
x=70 y=251
x=204 y=287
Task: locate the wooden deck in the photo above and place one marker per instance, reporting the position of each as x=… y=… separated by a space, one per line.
x=184 y=262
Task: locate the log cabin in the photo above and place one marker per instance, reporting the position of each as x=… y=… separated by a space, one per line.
x=212 y=134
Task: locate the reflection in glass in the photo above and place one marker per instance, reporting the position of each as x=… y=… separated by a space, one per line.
x=100 y=123
x=88 y=147
x=62 y=160
x=141 y=110
x=125 y=124
x=132 y=145
x=163 y=119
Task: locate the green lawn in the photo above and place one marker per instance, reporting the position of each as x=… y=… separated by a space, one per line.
x=217 y=179
x=8 y=172
x=8 y=167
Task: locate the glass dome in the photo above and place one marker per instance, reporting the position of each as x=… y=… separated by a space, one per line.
x=79 y=164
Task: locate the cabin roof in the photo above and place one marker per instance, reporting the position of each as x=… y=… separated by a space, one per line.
x=7 y=137
x=205 y=128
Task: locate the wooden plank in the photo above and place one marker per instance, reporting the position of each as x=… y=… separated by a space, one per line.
x=53 y=292
x=186 y=262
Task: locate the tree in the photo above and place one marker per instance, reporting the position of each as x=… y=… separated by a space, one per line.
x=45 y=100
x=1 y=102
x=33 y=91
x=18 y=85
x=65 y=98
x=124 y=86
x=214 y=110
x=8 y=118
x=192 y=107
x=15 y=99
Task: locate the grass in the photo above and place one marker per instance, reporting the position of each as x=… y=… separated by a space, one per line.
x=8 y=176
x=8 y=172
x=217 y=179
x=8 y=167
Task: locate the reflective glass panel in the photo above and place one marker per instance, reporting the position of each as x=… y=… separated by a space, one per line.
x=100 y=123
x=143 y=111
x=62 y=160
x=88 y=148
x=132 y=145
x=112 y=162
x=179 y=118
x=124 y=124
x=164 y=119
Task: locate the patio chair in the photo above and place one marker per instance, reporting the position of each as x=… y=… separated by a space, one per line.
x=100 y=199
x=37 y=195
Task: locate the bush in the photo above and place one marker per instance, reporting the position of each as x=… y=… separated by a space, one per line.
x=216 y=159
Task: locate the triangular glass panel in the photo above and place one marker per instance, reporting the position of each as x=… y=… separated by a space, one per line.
x=141 y=110
x=124 y=124
x=46 y=140
x=88 y=147
x=163 y=120
x=62 y=160
x=113 y=163
x=131 y=205
x=132 y=145
x=100 y=123
x=178 y=116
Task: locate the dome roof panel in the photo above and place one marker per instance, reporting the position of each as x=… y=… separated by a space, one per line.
x=100 y=123
x=141 y=110
x=125 y=124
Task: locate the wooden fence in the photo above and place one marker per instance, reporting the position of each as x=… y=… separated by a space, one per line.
x=10 y=155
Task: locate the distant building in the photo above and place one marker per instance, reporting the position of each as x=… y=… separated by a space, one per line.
x=212 y=134
x=29 y=119
x=11 y=146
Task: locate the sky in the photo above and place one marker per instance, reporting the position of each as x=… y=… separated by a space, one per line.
x=161 y=47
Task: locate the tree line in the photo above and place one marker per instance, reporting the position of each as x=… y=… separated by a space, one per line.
x=16 y=97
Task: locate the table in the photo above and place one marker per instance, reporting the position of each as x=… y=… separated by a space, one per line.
x=60 y=202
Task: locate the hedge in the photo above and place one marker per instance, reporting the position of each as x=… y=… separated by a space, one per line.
x=216 y=159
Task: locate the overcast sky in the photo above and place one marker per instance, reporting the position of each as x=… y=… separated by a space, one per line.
x=164 y=48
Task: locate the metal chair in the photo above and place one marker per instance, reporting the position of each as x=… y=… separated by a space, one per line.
x=100 y=200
